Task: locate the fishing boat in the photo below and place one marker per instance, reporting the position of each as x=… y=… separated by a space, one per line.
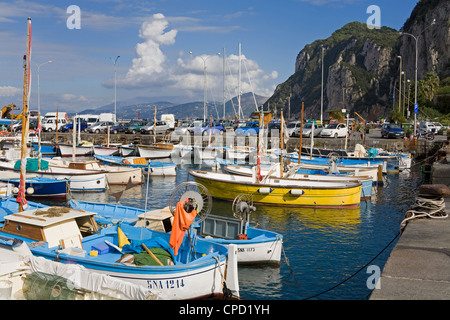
x=307 y=174
x=115 y=175
x=254 y=245
x=81 y=150
x=6 y=189
x=127 y=150
x=79 y=180
x=157 y=150
x=48 y=148
x=43 y=188
x=207 y=153
x=26 y=277
x=281 y=191
x=240 y=153
x=157 y=168
x=110 y=150
x=137 y=255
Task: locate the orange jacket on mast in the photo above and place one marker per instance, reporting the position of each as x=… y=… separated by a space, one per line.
x=181 y=222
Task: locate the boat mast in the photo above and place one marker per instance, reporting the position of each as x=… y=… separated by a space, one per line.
x=239 y=84
x=23 y=205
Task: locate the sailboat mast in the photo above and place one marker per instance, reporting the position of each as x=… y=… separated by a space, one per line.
x=239 y=83
x=23 y=205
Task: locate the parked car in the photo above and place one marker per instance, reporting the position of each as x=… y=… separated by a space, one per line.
x=438 y=126
x=248 y=129
x=334 y=130
x=274 y=128
x=307 y=128
x=292 y=127
x=158 y=127
x=99 y=127
x=204 y=129
x=427 y=127
x=49 y=124
x=392 y=130
x=134 y=126
x=80 y=126
x=117 y=127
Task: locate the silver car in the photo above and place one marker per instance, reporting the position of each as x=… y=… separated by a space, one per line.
x=99 y=127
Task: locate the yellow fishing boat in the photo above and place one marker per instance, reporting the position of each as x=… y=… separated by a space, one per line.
x=281 y=192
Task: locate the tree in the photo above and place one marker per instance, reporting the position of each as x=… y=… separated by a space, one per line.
x=427 y=88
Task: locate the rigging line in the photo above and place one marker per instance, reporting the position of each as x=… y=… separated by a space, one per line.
x=251 y=85
x=358 y=271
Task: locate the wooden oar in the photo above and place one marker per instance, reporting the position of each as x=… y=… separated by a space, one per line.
x=152 y=255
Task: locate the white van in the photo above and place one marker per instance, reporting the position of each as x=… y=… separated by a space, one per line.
x=89 y=118
x=49 y=124
x=61 y=115
x=169 y=119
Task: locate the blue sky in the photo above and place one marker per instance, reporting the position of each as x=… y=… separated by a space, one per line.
x=153 y=40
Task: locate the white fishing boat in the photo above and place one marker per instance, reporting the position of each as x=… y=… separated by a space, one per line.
x=136 y=255
x=157 y=168
x=80 y=150
x=79 y=180
x=254 y=245
x=127 y=150
x=240 y=153
x=158 y=150
x=106 y=150
x=26 y=277
x=115 y=175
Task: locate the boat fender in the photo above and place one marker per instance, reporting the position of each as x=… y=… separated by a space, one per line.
x=30 y=190
x=15 y=190
x=265 y=190
x=297 y=192
x=21 y=247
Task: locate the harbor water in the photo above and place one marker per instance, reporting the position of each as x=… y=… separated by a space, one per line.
x=329 y=254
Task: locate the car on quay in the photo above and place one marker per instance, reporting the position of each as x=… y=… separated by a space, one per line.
x=250 y=128
x=204 y=129
x=307 y=129
x=81 y=126
x=158 y=127
x=117 y=127
x=392 y=130
x=426 y=126
x=99 y=127
x=134 y=126
x=292 y=127
x=334 y=130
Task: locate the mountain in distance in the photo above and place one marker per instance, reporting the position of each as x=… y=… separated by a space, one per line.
x=143 y=109
x=361 y=65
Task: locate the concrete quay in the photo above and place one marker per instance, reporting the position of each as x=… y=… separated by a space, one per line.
x=418 y=267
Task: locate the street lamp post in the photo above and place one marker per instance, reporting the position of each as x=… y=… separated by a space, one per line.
x=416 y=38
x=205 y=108
x=115 y=92
x=400 y=86
x=39 y=90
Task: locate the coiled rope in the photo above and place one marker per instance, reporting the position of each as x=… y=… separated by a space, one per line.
x=426 y=206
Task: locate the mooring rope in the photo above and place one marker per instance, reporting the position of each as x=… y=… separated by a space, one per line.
x=426 y=206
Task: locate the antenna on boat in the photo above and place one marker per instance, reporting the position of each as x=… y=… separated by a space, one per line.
x=146 y=199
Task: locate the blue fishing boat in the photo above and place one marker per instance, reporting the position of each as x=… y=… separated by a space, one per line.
x=157 y=168
x=137 y=255
x=255 y=246
x=48 y=149
x=43 y=188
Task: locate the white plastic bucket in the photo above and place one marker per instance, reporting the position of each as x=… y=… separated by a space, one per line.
x=5 y=289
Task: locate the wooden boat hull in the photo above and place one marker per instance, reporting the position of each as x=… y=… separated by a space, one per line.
x=43 y=188
x=106 y=151
x=292 y=193
x=79 y=180
x=157 y=168
x=66 y=150
x=366 y=181
x=156 y=151
x=262 y=246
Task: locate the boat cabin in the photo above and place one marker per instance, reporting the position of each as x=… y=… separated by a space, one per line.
x=85 y=165
x=58 y=226
x=157 y=220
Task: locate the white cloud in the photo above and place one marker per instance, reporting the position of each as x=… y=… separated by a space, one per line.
x=9 y=91
x=152 y=70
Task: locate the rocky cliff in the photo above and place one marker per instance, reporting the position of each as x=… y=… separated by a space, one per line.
x=361 y=65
